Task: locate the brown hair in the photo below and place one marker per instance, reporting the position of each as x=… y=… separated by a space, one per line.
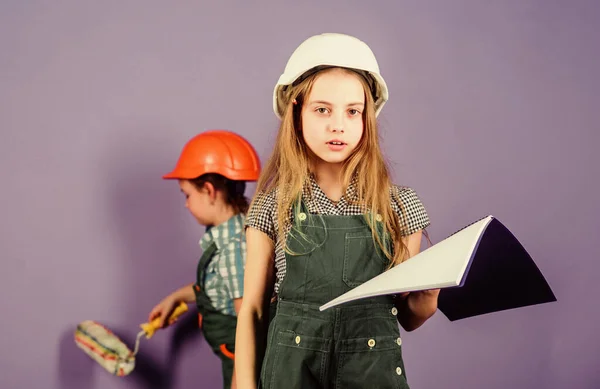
x=233 y=191
x=288 y=167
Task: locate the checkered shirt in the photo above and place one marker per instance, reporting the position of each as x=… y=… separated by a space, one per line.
x=224 y=278
x=262 y=214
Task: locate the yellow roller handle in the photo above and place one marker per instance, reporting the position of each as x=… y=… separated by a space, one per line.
x=150 y=328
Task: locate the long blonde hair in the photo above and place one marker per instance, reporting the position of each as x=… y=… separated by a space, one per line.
x=287 y=169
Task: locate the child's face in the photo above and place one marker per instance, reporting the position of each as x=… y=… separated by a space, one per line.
x=332 y=115
x=197 y=201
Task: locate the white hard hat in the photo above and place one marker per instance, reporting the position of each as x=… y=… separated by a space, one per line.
x=327 y=50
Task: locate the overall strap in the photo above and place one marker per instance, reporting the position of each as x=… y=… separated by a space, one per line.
x=203 y=262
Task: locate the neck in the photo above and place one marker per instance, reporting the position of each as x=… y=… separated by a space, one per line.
x=225 y=213
x=329 y=178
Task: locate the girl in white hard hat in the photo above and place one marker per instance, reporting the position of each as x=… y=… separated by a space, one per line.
x=325 y=219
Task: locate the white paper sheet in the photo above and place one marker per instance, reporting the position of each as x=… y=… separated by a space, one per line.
x=439 y=266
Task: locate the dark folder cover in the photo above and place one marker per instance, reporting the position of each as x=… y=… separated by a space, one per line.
x=501 y=275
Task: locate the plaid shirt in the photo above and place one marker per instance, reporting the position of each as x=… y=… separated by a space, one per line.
x=224 y=279
x=262 y=214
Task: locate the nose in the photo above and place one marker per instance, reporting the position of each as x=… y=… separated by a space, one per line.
x=337 y=123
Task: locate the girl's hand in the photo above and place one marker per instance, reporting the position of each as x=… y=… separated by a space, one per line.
x=163 y=310
x=430 y=294
x=414 y=308
x=423 y=302
x=424 y=293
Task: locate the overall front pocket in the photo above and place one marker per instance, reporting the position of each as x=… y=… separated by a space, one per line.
x=298 y=361
x=374 y=361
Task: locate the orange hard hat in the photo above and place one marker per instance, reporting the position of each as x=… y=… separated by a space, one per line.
x=217 y=151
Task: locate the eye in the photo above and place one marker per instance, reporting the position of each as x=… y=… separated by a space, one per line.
x=322 y=110
x=353 y=112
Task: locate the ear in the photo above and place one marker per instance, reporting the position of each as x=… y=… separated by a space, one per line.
x=211 y=191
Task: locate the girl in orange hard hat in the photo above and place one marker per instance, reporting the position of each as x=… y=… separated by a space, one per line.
x=212 y=171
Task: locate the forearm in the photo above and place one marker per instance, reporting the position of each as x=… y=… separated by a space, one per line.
x=416 y=308
x=185 y=293
x=249 y=330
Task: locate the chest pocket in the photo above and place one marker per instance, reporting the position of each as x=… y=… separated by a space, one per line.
x=363 y=259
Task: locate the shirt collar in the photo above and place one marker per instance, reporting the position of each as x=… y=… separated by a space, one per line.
x=311 y=188
x=221 y=234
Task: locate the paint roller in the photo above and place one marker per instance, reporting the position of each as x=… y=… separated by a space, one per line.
x=103 y=346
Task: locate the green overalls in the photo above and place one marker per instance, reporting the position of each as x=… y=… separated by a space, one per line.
x=355 y=345
x=218 y=328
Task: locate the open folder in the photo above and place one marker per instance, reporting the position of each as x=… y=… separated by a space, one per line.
x=480 y=269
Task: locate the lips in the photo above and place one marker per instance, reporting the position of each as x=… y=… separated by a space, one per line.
x=336 y=145
x=336 y=142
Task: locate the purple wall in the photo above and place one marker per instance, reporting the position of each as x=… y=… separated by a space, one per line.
x=493 y=110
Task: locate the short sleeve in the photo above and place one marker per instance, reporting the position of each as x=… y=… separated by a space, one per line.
x=231 y=268
x=261 y=214
x=410 y=210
